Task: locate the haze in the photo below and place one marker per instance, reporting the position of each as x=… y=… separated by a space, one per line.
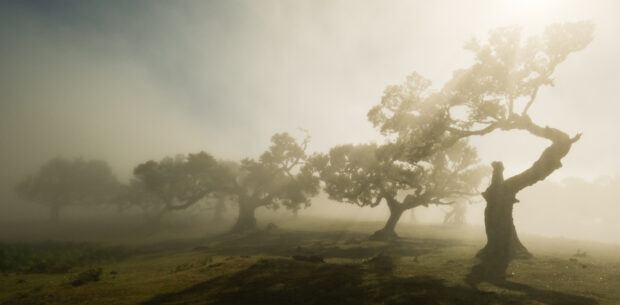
x=128 y=82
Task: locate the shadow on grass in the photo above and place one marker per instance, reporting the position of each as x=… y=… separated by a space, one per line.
x=283 y=281
x=493 y=271
x=276 y=281
x=325 y=244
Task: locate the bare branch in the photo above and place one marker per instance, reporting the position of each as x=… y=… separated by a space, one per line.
x=467 y=133
x=439 y=202
x=549 y=160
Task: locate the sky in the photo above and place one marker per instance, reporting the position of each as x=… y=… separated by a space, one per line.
x=129 y=81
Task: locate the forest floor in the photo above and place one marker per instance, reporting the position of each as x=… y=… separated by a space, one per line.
x=428 y=265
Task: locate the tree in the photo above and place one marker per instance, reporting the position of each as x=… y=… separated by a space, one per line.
x=508 y=73
x=456 y=216
x=61 y=182
x=136 y=195
x=278 y=178
x=175 y=184
x=219 y=204
x=366 y=175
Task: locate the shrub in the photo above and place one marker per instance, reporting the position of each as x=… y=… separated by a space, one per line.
x=90 y=275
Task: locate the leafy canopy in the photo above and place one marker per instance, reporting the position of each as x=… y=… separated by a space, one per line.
x=177 y=183
x=366 y=174
x=279 y=177
x=507 y=74
x=62 y=182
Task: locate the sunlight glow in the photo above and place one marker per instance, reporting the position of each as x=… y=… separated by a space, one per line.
x=528 y=3
x=531 y=15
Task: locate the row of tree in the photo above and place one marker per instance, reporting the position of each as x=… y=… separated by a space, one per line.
x=425 y=158
x=283 y=176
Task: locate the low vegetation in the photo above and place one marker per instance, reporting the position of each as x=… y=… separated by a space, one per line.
x=430 y=265
x=54 y=257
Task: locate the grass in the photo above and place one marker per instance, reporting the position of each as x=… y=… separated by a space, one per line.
x=427 y=266
x=51 y=257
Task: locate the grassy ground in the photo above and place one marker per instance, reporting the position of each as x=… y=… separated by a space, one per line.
x=427 y=266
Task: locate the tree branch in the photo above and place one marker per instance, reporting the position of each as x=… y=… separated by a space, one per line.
x=549 y=160
x=530 y=102
x=439 y=202
x=467 y=133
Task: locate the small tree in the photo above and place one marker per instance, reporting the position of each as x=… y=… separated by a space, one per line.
x=61 y=182
x=456 y=216
x=175 y=184
x=508 y=73
x=366 y=175
x=277 y=178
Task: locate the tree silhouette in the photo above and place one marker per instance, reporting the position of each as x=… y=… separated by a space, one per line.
x=278 y=178
x=507 y=74
x=61 y=182
x=456 y=216
x=365 y=175
x=174 y=184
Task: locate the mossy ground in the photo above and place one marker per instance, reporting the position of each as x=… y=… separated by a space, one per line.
x=427 y=266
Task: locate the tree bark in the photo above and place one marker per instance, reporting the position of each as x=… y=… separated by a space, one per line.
x=503 y=244
x=388 y=232
x=246 y=221
x=502 y=240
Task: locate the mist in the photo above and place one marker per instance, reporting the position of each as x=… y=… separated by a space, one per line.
x=131 y=82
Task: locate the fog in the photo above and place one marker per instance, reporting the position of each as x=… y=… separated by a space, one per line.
x=128 y=82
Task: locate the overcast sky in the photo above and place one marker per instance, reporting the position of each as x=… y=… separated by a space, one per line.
x=128 y=81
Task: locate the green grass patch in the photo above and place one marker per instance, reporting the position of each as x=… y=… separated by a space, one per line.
x=53 y=257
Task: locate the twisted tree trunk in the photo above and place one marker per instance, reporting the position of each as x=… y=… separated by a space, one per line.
x=502 y=240
x=388 y=232
x=503 y=244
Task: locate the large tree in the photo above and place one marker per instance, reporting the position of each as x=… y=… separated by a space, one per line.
x=175 y=184
x=62 y=182
x=366 y=175
x=278 y=178
x=495 y=93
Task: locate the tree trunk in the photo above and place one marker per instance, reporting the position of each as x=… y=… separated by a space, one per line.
x=456 y=216
x=502 y=240
x=503 y=244
x=246 y=220
x=388 y=232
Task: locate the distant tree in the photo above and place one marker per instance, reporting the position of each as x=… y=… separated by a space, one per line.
x=217 y=205
x=456 y=215
x=366 y=175
x=175 y=184
x=508 y=72
x=136 y=195
x=278 y=178
x=61 y=182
